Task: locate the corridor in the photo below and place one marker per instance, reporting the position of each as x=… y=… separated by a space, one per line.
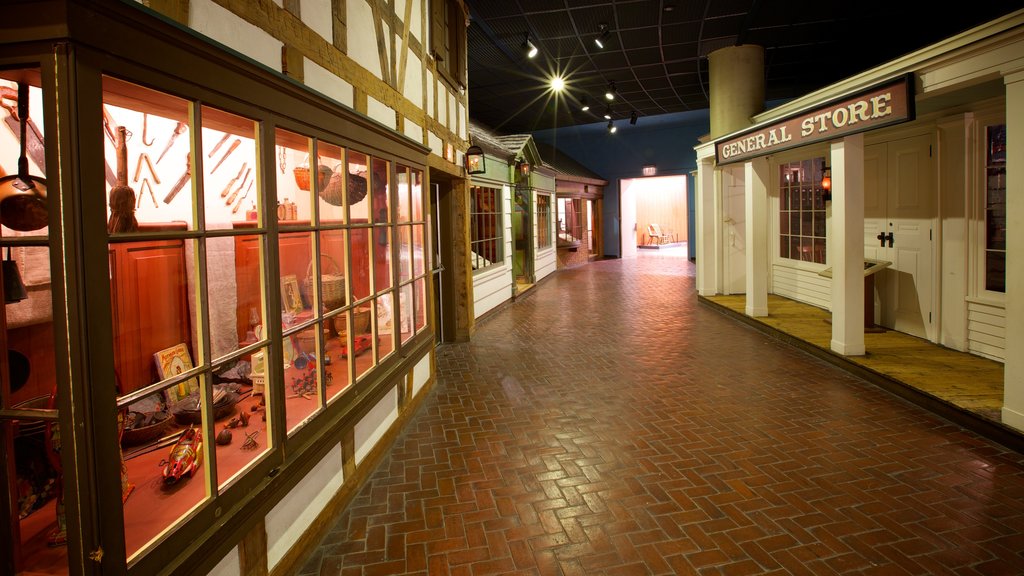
x=609 y=424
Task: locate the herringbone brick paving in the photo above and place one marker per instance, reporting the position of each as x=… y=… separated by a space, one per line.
x=608 y=424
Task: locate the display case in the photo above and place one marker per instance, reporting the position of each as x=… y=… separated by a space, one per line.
x=209 y=272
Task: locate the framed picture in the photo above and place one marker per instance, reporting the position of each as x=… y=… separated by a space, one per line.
x=171 y=362
x=291 y=298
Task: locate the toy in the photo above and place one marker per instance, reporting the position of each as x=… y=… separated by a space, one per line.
x=360 y=344
x=185 y=457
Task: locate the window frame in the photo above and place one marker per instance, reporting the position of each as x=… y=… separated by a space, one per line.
x=495 y=218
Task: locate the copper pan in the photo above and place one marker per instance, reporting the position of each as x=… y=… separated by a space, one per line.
x=23 y=205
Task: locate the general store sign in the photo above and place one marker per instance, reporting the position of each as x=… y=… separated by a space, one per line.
x=883 y=105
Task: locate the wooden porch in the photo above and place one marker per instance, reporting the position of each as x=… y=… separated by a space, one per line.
x=961 y=387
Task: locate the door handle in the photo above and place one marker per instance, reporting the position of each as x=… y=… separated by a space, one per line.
x=889 y=237
x=881 y=239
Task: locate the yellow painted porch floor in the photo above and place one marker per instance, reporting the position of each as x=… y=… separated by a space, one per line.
x=968 y=383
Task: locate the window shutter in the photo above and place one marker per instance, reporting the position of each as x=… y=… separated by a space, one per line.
x=437 y=28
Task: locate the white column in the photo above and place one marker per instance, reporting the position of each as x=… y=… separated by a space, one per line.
x=706 y=222
x=755 y=198
x=848 y=245
x=1013 y=369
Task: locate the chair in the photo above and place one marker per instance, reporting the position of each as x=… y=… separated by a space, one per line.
x=655 y=234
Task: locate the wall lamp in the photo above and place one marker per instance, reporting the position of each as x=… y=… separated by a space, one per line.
x=600 y=38
x=475 y=162
x=528 y=46
x=524 y=167
x=826 y=182
x=610 y=93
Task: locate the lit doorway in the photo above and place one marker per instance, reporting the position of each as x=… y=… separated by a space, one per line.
x=659 y=214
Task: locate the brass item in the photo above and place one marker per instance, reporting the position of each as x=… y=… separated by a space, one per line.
x=23 y=205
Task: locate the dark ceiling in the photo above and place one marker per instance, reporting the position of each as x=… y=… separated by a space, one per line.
x=656 y=50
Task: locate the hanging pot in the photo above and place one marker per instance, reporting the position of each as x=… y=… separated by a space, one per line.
x=23 y=196
x=14 y=288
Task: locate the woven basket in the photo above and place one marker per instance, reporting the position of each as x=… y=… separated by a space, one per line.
x=302 y=177
x=332 y=285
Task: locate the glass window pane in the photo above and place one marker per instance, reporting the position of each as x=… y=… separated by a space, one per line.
x=295 y=184
x=416 y=177
x=333 y=285
x=337 y=366
x=418 y=250
x=148 y=167
x=361 y=342
x=381 y=191
x=361 y=285
x=229 y=165
x=301 y=376
x=402 y=190
x=357 y=187
x=420 y=287
x=241 y=433
x=405 y=307
x=404 y=254
x=381 y=258
x=331 y=184
x=385 y=327
x=296 y=296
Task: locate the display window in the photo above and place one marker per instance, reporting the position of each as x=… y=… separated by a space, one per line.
x=543 y=221
x=205 y=309
x=802 y=211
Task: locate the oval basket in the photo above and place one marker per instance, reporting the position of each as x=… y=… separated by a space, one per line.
x=134 y=436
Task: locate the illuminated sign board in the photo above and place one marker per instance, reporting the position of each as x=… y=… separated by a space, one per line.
x=883 y=105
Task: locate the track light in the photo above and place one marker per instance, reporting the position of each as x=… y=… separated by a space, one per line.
x=632 y=118
x=528 y=46
x=610 y=94
x=611 y=127
x=583 y=104
x=608 y=113
x=600 y=38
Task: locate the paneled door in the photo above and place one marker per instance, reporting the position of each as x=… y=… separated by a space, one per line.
x=899 y=209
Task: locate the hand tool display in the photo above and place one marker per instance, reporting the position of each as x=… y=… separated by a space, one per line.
x=178 y=131
x=145 y=131
x=231 y=182
x=217 y=146
x=226 y=154
x=244 y=196
x=239 y=189
x=181 y=181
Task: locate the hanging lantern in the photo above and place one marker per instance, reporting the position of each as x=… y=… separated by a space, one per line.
x=475 y=163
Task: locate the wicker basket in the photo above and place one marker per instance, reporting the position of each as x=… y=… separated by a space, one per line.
x=302 y=177
x=332 y=285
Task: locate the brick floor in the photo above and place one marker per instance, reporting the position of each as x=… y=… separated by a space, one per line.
x=608 y=424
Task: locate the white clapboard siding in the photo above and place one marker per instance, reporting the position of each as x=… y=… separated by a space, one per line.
x=545 y=264
x=802 y=285
x=986 y=330
x=491 y=288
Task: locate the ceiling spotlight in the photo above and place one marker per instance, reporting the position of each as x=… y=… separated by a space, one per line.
x=528 y=46
x=632 y=118
x=611 y=127
x=610 y=94
x=557 y=84
x=600 y=38
x=608 y=113
x=583 y=104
